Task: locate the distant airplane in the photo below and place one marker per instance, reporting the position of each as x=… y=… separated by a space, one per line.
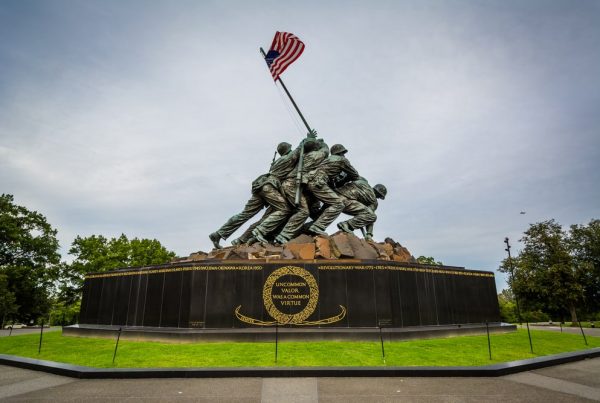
x=522 y=212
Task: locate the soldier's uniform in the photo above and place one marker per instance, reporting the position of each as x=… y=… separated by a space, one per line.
x=308 y=205
x=264 y=193
x=361 y=203
x=318 y=184
x=272 y=219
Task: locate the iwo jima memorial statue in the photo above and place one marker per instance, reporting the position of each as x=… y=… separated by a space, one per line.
x=285 y=272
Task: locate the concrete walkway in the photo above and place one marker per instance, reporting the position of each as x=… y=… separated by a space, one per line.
x=27 y=330
x=565 y=329
x=575 y=382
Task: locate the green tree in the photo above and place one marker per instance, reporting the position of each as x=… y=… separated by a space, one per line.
x=28 y=258
x=545 y=277
x=584 y=243
x=428 y=260
x=96 y=253
x=508 y=309
x=63 y=314
x=8 y=302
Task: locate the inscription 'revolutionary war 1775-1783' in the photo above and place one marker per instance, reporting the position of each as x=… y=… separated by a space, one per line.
x=411 y=269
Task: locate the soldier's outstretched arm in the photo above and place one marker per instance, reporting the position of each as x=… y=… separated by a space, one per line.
x=350 y=171
x=296 y=153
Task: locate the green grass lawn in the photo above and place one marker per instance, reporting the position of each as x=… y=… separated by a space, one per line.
x=464 y=350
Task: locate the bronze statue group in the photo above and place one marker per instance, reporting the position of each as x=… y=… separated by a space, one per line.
x=327 y=186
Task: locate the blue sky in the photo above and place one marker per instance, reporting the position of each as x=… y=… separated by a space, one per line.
x=151 y=118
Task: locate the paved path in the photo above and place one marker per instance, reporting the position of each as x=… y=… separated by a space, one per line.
x=27 y=330
x=575 y=382
x=566 y=329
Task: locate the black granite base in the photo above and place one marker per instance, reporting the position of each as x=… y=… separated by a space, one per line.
x=289 y=294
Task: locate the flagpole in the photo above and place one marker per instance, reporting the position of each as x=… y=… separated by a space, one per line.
x=301 y=158
x=290 y=96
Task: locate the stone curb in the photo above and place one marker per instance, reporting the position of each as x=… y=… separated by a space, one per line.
x=506 y=368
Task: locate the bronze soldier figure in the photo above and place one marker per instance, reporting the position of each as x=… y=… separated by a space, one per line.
x=315 y=152
x=318 y=185
x=280 y=169
x=265 y=192
x=361 y=203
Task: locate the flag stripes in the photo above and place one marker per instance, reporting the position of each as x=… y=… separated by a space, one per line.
x=285 y=49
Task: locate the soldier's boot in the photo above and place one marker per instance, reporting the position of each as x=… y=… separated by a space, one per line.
x=215 y=238
x=252 y=240
x=280 y=240
x=344 y=226
x=236 y=242
x=306 y=226
x=259 y=237
x=317 y=231
x=368 y=237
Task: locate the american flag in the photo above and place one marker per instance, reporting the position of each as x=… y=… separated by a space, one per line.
x=285 y=49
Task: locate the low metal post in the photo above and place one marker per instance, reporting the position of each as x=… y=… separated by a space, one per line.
x=561 y=327
x=382 y=348
x=41 y=336
x=529 y=334
x=116 y=345
x=276 y=339
x=582 y=333
x=487 y=329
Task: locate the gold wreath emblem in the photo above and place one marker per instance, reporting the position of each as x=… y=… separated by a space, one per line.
x=290 y=319
x=299 y=317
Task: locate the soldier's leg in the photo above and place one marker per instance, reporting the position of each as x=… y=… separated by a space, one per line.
x=294 y=224
x=252 y=207
x=281 y=211
x=362 y=215
x=247 y=235
x=333 y=201
x=369 y=235
x=315 y=207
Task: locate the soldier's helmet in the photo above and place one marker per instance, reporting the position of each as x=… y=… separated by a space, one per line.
x=380 y=191
x=338 y=149
x=284 y=148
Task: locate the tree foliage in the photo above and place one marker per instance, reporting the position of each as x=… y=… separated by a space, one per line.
x=508 y=309
x=28 y=258
x=8 y=301
x=584 y=243
x=97 y=253
x=63 y=314
x=557 y=271
x=428 y=260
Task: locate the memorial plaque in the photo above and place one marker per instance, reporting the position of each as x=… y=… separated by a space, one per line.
x=121 y=303
x=239 y=294
x=169 y=313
